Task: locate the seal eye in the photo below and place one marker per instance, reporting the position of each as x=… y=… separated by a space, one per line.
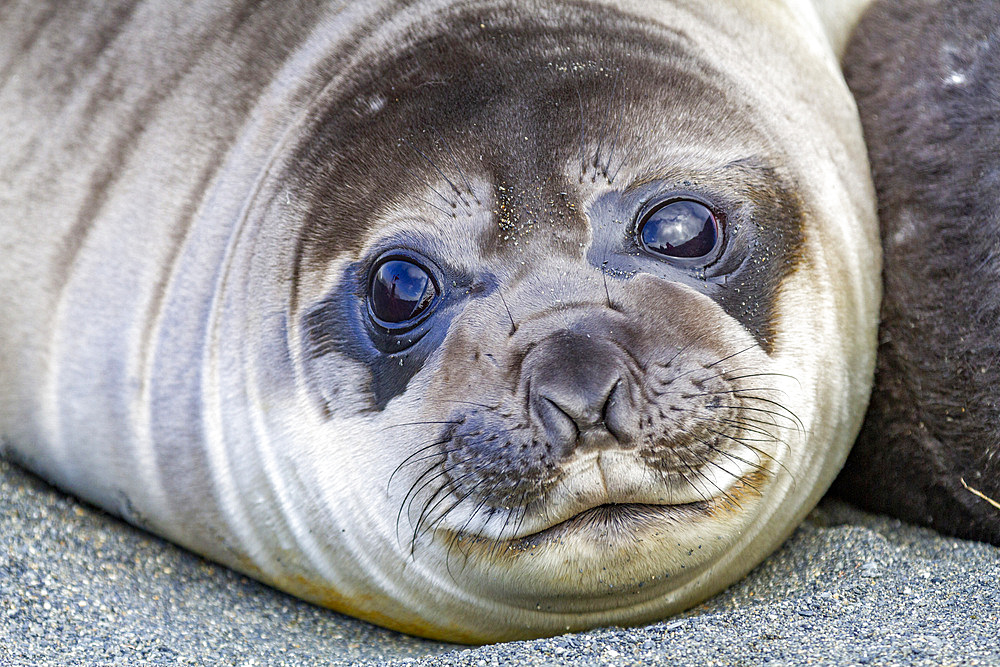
x=400 y=291
x=681 y=229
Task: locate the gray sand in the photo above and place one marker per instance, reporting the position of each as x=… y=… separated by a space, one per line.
x=80 y=587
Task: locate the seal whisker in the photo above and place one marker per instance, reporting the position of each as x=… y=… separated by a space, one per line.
x=703 y=477
x=422 y=516
x=743 y=395
x=744 y=424
x=432 y=522
x=506 y=522
x=452 y=422
x=618 y=128
x=722 y=491
x=747 y=483
x=707 y=461
x=621 y=164
x=677 y=354
x=450 y=214
x=679 y=376
x=420 y=483
x=440 y=173
x=604 y=131
x=758 y=465
x=461 y=533
x=413 y=490
x=681 y=456
x=484 y=498
x=744 y=421
x=454 y=161
x=767 y=437
x=607 y=292
x=772 y=413
x=801 y=427
x=428 y=509
x=762 y=453
x=739 y=393
x=435 y=191
x=412 y=461
x=756 y=450
x=524 y=512
x=583 y=159
x=727 y=358
x=409 y=460
x=513 y=326
x=473 y=403
x=756 y=375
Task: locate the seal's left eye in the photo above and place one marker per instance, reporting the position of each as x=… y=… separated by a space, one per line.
x=400 y=291
x=682 y=229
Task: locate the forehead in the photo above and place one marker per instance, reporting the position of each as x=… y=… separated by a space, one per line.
x=524 y=106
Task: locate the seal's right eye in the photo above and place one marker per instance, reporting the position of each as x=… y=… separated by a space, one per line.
x=400 y=292
x=681 y=230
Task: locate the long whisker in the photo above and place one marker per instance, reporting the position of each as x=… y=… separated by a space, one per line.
x=621 y=164
x=454 y=161
x=423 y=423
x=583 y=159
x=760 y=410
x=427 y=509
x=442 y=454
x=440 y=173
x=604 y=131
x=430 y=187
x=410 y=460
x=614 y=144
x=414 y=489
x=513 y=326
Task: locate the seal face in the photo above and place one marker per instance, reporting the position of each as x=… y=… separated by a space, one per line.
x=488 y=324
x=925 y=80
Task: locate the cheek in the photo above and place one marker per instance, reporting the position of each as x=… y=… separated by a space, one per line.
x=472 y=364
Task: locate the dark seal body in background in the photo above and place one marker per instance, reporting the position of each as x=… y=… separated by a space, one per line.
x=926 y=76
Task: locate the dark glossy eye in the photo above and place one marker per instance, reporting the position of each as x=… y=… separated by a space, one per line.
x=400 y=291
x=681 y=229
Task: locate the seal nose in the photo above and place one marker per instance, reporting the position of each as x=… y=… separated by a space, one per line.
x=577 y=390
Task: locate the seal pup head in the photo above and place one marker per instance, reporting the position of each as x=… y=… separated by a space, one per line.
x=580 y=328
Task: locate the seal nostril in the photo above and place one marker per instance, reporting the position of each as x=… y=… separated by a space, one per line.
x=616 y=411
x=560 y=427
x=578 y=390
x=607 y=401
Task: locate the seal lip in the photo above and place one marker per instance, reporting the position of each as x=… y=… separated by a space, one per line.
x=619 y=520
x=610 y=520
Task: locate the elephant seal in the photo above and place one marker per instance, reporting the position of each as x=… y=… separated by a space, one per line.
x=477 y=320
x=925 y=77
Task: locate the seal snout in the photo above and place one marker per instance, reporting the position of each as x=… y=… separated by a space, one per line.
x=578 y=391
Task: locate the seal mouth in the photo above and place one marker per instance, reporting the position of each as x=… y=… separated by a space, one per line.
x=613 y=521
x=616 y=522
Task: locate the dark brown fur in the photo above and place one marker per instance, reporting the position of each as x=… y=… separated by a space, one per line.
x=927 y=80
